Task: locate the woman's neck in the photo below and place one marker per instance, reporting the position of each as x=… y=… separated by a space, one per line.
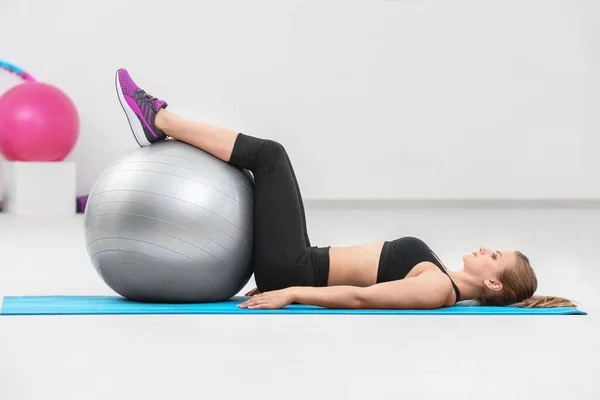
x=468 y=285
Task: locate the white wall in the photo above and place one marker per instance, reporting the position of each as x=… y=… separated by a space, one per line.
x=379 y=99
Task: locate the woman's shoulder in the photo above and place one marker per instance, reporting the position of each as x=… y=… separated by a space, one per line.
x=434 y=275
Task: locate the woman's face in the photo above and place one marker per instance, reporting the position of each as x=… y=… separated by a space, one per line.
x=487 y=263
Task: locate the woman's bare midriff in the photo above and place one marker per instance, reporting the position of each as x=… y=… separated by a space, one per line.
x=354 y=265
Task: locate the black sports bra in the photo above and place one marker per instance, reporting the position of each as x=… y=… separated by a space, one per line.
x=400 y=256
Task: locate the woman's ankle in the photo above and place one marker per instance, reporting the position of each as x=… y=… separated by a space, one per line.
x=161 y=120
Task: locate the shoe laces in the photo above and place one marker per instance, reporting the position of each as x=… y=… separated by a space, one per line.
x=147 y=97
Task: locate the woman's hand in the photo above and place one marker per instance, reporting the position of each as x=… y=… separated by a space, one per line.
x=269 y=300
x=253 y=292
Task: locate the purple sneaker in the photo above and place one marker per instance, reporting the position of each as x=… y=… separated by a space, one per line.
x=140 y=108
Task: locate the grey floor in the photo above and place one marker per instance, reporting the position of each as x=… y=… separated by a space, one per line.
x=299 y=357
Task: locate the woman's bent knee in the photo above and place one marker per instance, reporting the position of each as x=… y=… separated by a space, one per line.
x=270 y=151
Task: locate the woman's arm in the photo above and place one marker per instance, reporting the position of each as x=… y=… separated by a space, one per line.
x=329 y=297
x=425 y=291
x=428 y=290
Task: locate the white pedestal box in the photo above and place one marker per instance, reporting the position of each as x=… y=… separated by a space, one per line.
x=39 y=188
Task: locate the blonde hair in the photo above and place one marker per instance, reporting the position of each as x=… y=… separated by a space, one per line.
x=519 y=284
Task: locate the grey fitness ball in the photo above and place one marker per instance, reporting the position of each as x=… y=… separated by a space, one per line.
x=171 y=223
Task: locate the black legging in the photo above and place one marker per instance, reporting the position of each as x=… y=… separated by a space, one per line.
x=282 y=255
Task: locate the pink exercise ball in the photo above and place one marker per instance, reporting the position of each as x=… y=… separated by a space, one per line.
x=38 y=122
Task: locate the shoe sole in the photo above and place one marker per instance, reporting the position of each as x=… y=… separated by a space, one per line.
x=134 y=123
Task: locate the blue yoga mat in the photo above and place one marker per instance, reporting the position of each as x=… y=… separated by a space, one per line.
x=97 y=305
